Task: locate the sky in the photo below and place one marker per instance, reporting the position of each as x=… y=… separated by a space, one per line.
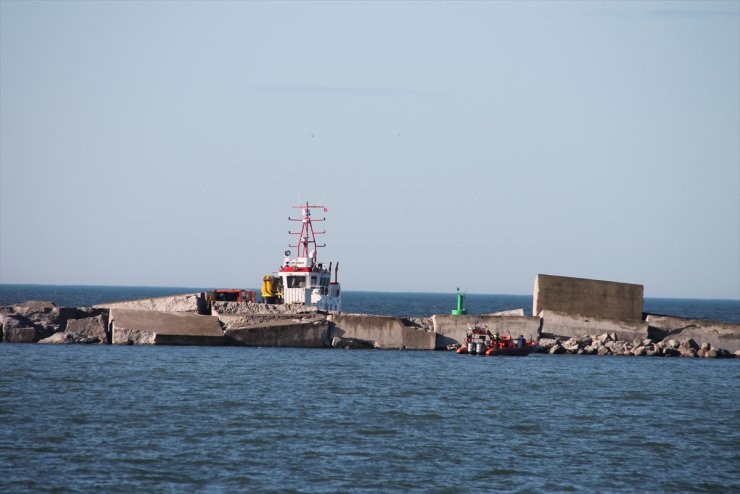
x=455 y=144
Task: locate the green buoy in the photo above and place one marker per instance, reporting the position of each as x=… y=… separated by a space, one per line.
x=460 y=310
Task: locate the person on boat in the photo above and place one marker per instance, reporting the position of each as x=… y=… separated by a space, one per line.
x=495 y=339
x=520 y=341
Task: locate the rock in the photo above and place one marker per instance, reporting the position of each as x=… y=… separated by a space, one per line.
x=711 y=353
x=64 y=338
x=351 y=343
x=718 y=334
x=705 y=346
x=557 y=349
x=572 y=345
x=722 y=353
x=690 y=343
x=603 y=351
x=671 y=352
x=45 y=317
x=590 y=349
x=55 y=339
x=737 y=353
x=89 y=328
x=639 y=351
x=15 y=334
x=672 y=344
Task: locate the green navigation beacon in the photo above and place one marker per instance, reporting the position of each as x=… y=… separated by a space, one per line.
x=460 y=310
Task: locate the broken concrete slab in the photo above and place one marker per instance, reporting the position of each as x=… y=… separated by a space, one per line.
x=717 y=334
x=187 y=302
x=578 y=325
x=146 y=327
x=89 y=327
x=312 y=333
x=385 y=332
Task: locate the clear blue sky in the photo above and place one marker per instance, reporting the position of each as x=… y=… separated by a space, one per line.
x=470 y=144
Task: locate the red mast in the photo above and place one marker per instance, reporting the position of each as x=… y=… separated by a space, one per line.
x=307 y=235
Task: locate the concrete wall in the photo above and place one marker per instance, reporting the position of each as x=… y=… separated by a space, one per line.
x=282 y=333
x=384 y=331
x=717 y=334
x=606 y=299
x=575 y=325
x=163 y=328
x=452 y=329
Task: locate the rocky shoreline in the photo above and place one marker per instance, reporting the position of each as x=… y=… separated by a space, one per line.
x=608 y=344
x=262 y=325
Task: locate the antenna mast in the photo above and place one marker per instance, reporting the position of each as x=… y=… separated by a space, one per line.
x=307 y=235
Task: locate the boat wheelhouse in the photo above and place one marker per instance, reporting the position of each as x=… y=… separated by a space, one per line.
x=303 y=279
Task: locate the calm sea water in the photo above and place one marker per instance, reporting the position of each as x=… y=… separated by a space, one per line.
x=198 y=419
x=78 y=418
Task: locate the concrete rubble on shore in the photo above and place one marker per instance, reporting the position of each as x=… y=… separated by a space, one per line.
x=571 y=315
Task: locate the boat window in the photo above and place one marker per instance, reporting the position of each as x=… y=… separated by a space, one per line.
x=314 y=280
x=296 y=282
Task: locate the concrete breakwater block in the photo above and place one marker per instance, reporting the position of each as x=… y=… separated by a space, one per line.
x=144 y=327
x=220 y=308
x=311 y=333
x=606 y=299
x=95 y=328
x=453 y=329
x=188 y=302
x=577 y=325
x=717 y=334
x=384 y=332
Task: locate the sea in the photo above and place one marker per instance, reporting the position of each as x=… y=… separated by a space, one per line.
x=108 y=418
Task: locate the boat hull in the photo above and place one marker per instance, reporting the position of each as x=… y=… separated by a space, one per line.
x=511 y=351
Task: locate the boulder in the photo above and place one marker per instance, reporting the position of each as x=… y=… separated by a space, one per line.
x=45 y=317
x=90 y=327
x=351 y=343
x=15 y=334
x=572 y=345
x=671 y=352
x=557 y=349
x=64 y=338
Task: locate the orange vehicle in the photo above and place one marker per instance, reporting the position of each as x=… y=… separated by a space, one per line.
x=233 y=295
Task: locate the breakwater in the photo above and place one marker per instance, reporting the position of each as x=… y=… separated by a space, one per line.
x=188 y=320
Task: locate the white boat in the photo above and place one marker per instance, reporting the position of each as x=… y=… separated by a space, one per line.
x=303 y=279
